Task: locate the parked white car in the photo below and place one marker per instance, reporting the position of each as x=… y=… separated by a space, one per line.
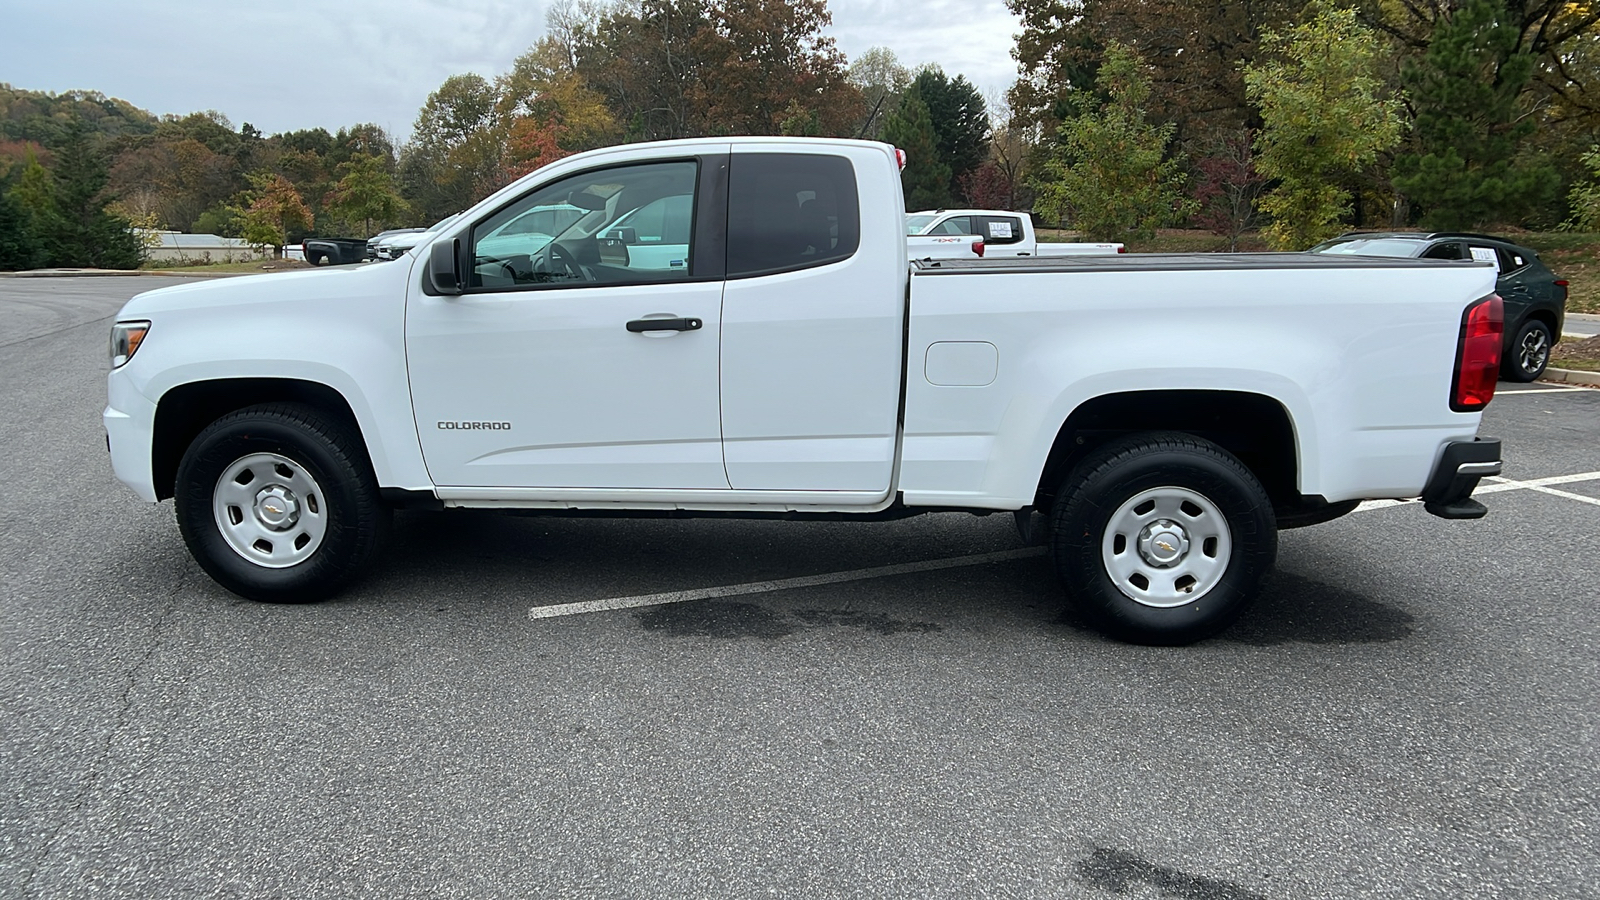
x=1003 y=233
x=1168 y=414
x=398 y=245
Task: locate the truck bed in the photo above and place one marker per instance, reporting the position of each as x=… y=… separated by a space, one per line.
x=1175 y=262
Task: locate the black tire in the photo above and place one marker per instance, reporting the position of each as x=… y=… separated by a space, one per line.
x=321 y=259
x=1529 y=352
x=353 y=522
x=1111 y=477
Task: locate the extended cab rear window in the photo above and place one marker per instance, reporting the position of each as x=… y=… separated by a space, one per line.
x=789 y=211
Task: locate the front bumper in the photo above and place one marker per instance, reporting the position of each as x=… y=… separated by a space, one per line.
x=129 y=419
x=1449 y=491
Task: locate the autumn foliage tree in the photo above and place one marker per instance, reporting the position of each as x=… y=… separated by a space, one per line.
x=270 y=210
x=1226 y=188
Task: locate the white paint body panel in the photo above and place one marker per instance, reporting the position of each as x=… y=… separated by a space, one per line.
x=1360 y=359
x=811 y=359
x=341 y=327
x=790 y=397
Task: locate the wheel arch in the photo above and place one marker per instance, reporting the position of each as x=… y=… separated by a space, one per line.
x=1256 y=428
x=186 y=409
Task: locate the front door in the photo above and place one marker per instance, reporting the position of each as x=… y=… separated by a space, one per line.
x=584 y=359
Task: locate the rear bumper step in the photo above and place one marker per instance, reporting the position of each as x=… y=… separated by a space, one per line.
x=1449 y=491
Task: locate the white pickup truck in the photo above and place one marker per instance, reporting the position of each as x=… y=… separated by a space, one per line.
x=1000 y=232
x=1167 y=414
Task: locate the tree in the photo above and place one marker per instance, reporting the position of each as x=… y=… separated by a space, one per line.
x=365 y=192
x=1464 y=172
x=79 y=231
x=1228 y=188
x=764 y=60
x=545 y=93
x=271 y=209
x=881 y=79
x=639 y=57
x=454 y=156
x=1326 y=115
x=1193 y=49
x=20 y=247
x=1110 y=174
x=1584 y=197
x=960 y=121
x=925 y=178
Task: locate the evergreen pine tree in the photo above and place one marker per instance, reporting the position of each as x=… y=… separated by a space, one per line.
x=1469 y=125
x=79 y=231
x=19 y=246
x=926 y=177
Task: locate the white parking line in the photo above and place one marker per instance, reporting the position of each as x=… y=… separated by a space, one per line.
x=760 y=587
x=1554 y=390
x=552 y=611
x=1498 y=484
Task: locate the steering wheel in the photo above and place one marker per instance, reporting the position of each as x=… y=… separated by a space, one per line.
x=555 y=264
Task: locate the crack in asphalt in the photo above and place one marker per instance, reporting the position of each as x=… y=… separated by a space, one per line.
x=120 y=724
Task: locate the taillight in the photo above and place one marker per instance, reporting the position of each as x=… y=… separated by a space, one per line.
x=977 y=247
x=1561 y=282
x=1478 y=355
x=900 y=157
x=1122 y=248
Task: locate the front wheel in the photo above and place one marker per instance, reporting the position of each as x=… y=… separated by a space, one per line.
x=278 y=503
x=1530 y=352
x=1163 y=538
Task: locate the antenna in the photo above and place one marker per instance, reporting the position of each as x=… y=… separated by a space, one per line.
x=873 y=115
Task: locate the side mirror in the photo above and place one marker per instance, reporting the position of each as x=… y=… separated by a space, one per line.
x=626 y=234
x=444 y=267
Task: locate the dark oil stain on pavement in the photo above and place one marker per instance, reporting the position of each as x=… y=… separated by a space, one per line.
x=716 y=618
x=866 y=621
x=727 y=619
x=1120 y=871
x=1294 y=608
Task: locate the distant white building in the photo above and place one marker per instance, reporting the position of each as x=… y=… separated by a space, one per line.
x=200 y=248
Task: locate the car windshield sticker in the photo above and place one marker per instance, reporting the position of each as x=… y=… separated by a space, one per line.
x=1487 y=255
x=1000 y=229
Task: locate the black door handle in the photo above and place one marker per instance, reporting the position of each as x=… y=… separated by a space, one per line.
x=641 y=325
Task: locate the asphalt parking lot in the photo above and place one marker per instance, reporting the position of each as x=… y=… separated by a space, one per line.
x=1410 y=712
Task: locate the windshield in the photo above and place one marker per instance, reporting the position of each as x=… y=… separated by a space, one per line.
x=915 y=224
x=1393 y=247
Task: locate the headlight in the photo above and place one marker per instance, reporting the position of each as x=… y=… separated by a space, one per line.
x=125 y=340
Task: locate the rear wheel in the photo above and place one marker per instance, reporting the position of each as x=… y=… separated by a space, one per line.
x=278 y=503
x=1163 y=538
x=1530 y=352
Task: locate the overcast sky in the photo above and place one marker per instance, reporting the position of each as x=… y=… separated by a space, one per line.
x=296 y=64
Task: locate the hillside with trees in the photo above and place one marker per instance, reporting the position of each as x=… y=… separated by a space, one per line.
x=1298 y=120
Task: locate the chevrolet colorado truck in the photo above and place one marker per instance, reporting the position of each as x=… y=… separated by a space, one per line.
x=1166 y=415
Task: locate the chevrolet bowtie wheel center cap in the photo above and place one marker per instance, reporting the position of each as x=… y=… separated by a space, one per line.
x=1163 y=543
x=277 y=507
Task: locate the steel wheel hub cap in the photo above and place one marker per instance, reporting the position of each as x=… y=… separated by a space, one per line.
x=270 y=510
x=1166 y=547
x=277 y=507
x=1163 y=543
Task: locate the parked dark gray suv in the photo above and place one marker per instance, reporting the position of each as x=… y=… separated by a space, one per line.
x=1535 y=299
